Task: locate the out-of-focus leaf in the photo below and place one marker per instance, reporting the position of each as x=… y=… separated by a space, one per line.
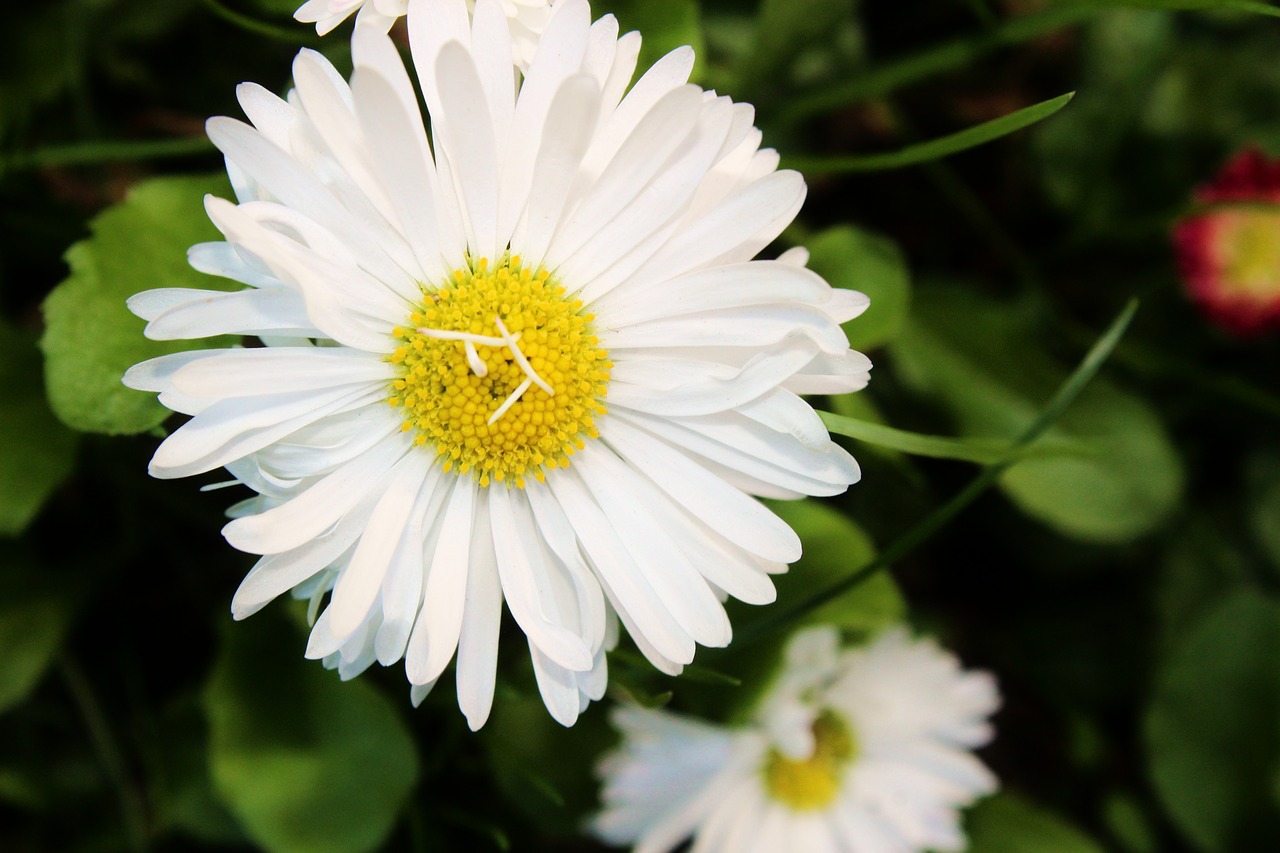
x=1264 y=507
x=854 y=259
x=90 y=337
x=34 y=615
x=545 y=769
x=1007 y=823
x=37 y=452
x=664 y=26
x=934 y=149
x=1201 y=567
x=982 y=362
x=1129 y=825
x=834 y=546
x=305 y=762
x=1123 y=52
x=183 y=795
x=1213 y=727
x=786 y=29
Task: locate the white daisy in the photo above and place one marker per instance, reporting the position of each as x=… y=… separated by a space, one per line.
x=527 y=19
x=536 y=364
x=861 y=751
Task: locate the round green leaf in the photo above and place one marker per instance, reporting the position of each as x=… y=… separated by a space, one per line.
x=34 y=615
x=1213 y=727
x=37 y=453
x=306 y=763
x=90 y=337
x=854 y=259
x=834 y=547
x=1007 y=823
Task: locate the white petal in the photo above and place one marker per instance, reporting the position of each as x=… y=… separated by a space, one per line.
x=312 y=512
x=729 y=512
x=435 y=636
x=481 y=619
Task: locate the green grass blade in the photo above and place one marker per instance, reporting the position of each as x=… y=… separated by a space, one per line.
x=934 y=149
x=978 y=451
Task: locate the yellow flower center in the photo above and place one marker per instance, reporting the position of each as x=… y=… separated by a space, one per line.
x=812 y=783
x=500 y=373
x=1252 y=254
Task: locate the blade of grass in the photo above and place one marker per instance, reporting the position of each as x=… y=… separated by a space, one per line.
x=1250 y=6
x=251 y=24
x=940 y=517
x=89 y=153
x=934 y=149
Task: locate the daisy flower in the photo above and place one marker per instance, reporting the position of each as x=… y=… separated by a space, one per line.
x=864 y=750
x=523 y=357
x=1229 y=256
x=527 y=19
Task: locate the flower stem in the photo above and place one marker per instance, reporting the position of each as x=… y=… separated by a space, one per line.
x=132 y=808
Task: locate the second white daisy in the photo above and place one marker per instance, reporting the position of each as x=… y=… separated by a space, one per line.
x=857 y=751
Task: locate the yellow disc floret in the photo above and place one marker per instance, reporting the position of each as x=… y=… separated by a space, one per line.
x=812 y=783
x=500 y=373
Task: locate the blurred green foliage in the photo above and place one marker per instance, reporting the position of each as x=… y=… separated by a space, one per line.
x=1123 y=587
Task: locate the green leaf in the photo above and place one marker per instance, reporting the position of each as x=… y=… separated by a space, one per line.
x=834 y=546
x=544 y=769
x=664 y=26
x=305 y=762
x=784 y=31
x=1007 y=823
x=38 y=452
x=90 y=337
x=854 y=259
x=982 y=361
x=934 y=149
x=1213 y=727
x=35 y=612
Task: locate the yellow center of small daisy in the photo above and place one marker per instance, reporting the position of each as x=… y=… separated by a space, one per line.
x=500 y=373
x=1253 y=254
x=812 y=783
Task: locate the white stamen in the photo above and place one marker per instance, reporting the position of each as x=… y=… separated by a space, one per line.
x=510 y=341
x=478 y=367
x=213 y=487
x=477 y=340
x=510 y=401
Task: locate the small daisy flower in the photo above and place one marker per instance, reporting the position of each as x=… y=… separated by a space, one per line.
x=524 y=356
x=527 y=19
x=858 y=751
x=1230 y=257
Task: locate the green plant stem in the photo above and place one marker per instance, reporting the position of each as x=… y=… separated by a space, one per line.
x=89 y=153
x=132 y=809
x=940 y=517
